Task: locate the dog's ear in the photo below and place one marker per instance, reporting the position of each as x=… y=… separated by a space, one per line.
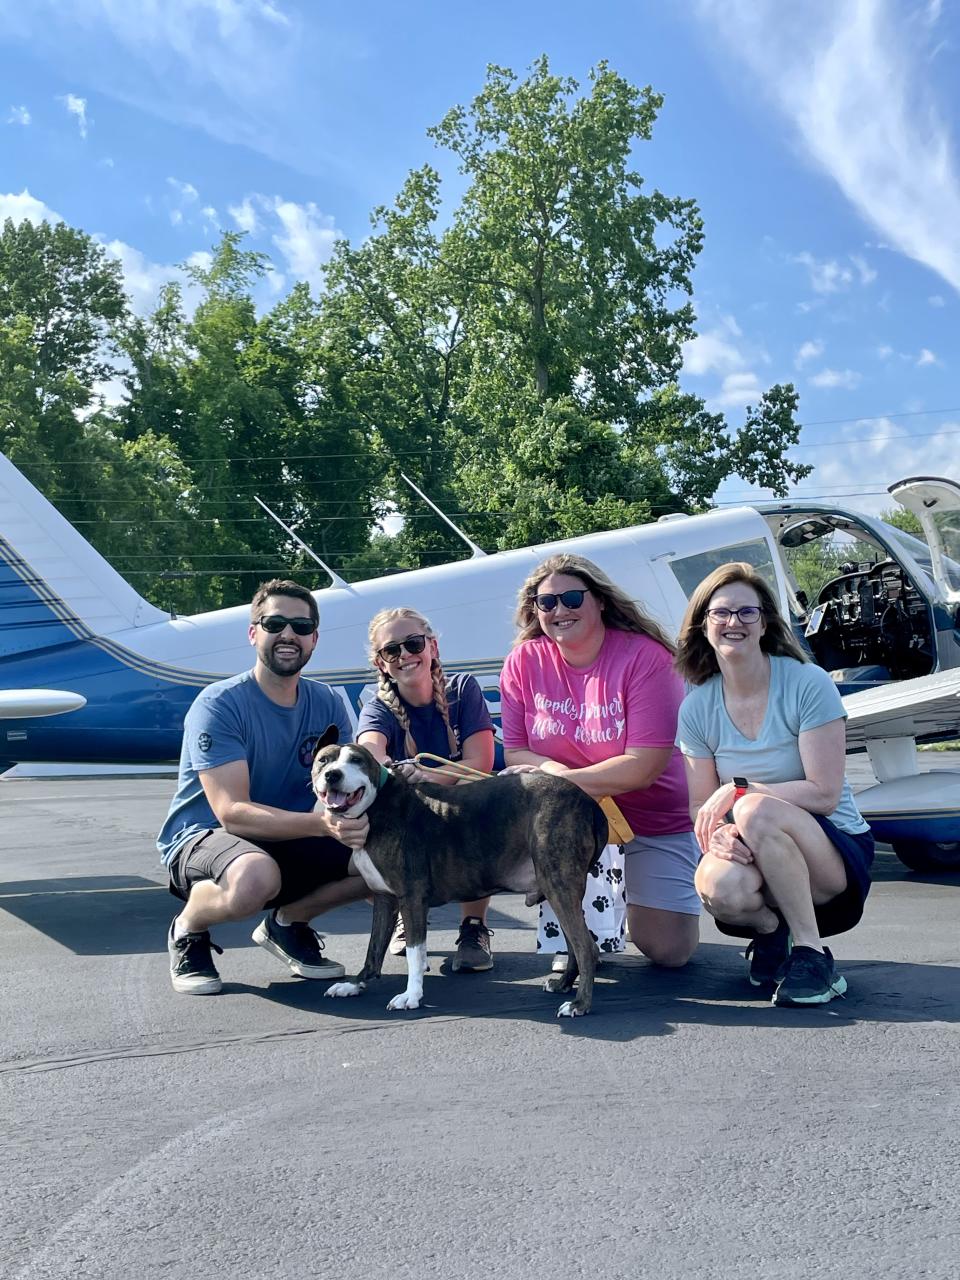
x=330 y=735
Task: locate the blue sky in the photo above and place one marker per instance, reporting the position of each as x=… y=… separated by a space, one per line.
x=818 y=138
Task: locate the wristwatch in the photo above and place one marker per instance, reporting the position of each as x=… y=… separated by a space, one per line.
x=741 y=786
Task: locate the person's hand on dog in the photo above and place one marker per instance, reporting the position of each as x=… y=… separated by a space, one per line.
x=554 y=767
x=349 y=831
x=712 y=813
x=409 y=771
x=726 y=843
x=519 y=768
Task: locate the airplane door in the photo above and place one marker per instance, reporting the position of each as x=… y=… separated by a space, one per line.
x=936 y=504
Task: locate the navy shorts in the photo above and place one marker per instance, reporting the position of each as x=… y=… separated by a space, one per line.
x=305 y=864
x=844 y=911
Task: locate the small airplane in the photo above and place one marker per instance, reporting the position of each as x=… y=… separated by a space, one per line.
x=887 y=627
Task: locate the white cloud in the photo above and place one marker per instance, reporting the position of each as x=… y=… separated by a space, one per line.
x=737 y=391
x=305 y=236
x=937 y=300
x=884 y=352
x=866 y=273
x=853 y=80
x=926 y=357
x=845 y=379
x=245 y=216
x=187 y=192
x=77 y=107
x=25 y=207
x=827 y=276
x=808 y=351
x=18 y=115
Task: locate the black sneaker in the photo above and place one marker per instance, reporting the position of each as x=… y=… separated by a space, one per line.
x=192 y=970
x=767 y=954
x=809 y=978
x=298 y=946
x=473 y=947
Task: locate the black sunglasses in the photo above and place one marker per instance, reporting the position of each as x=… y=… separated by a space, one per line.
x=276 y=622
x=569 y=599
x=412 y=644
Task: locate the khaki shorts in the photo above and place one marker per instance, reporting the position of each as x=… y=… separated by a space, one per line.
x=305 y=864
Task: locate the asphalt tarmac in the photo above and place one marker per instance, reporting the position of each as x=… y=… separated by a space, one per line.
x=684 y=1129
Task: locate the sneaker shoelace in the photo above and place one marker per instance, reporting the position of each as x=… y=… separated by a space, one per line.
x=474 y=934
x=190 y=940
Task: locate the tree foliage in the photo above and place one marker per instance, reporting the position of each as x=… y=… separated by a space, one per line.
x=516 y=355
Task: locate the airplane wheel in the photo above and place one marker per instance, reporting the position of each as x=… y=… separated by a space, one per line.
x=928 y=855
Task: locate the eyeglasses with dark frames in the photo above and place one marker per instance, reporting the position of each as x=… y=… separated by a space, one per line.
x=749 y=614
x=413 y=645
x=274 y=623
x=549 y=600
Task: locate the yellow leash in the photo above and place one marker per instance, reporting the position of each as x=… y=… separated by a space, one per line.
x=619 y=833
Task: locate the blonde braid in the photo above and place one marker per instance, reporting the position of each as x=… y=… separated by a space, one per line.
x=440 y=702
x=389 y=695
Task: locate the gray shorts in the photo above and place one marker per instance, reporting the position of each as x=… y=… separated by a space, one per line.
x=305 y=864
x=659 y=870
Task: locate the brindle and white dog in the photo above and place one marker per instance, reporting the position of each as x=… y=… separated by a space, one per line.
x=530 y=833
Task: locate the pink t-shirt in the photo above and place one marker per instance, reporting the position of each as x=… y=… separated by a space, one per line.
x=579 y=716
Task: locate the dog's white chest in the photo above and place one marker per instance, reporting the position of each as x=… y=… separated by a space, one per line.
x=364 y=864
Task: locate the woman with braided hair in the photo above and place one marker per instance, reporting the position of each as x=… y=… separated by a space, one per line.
x=417 y=708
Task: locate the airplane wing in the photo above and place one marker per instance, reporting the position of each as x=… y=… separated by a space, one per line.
x=15 y=703
x=926 y=708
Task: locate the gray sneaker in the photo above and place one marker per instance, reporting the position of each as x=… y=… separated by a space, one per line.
x=473 y=947
x=192 y=970
x=298 y=946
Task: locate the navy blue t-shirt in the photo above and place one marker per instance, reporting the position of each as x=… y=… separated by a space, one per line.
x=468 y=715
x=235 y=720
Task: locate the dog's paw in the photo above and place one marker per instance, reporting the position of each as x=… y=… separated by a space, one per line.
x=559 y=983
x=570 y=1009
x=405 y=1000
x=345 y=989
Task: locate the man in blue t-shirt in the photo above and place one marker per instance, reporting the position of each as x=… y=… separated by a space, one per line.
x=242 y=834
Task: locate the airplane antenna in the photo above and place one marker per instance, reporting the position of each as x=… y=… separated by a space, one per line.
x=337 y=580
x=475 y=551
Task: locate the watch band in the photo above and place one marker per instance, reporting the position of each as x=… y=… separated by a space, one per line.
x=741 y=786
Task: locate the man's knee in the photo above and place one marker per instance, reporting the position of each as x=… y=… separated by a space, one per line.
x=249 y=883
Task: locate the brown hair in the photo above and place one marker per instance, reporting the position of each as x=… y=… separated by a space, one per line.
x=389 y=694
x=620 y=613
x=283 y=587
x=696 y=660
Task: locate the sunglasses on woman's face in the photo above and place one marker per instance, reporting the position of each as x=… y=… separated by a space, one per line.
x=547 y=602
x=276 y=622
x=412 y=644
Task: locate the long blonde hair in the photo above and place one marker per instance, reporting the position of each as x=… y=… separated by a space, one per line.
x=620 y=613
x=387 y=691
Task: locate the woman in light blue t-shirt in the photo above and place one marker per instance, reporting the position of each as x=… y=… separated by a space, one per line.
x=785 y=853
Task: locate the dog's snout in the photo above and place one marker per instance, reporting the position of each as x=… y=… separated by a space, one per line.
x=333 y=775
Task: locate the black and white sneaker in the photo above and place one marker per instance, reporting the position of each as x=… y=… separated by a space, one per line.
x=473 y=954
x=298 y=946
x=192 y=970
x=809 y=977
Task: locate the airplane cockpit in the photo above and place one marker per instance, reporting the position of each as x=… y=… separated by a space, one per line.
x=868 y=601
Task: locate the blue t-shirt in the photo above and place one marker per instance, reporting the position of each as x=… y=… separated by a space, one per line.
x=802 y=696
x=235 y=720
x=468 y=713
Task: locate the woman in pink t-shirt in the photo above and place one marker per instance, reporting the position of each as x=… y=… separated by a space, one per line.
x=589 y=692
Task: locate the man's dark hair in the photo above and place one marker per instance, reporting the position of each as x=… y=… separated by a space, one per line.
x=282 y=587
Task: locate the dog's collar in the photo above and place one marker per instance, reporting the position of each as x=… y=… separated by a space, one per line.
x=384 y=775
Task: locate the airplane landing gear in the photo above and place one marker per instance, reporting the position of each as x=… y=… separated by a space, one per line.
x=928 y=855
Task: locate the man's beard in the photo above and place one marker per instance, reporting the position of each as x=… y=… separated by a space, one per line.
x=285 y=666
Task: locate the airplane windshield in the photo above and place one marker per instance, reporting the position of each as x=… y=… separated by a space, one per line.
x=948 y=526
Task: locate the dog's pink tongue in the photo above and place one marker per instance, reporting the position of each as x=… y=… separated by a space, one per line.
x=336 y=799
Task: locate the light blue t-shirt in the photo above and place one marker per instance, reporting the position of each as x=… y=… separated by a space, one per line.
x=235 y=720
x=802 y=696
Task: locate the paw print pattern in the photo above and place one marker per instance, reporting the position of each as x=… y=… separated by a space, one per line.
x=551 y=930
x=595 y=869
x=604 y=909
x=601 y=904
x=614 y=875
x=609 y=944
